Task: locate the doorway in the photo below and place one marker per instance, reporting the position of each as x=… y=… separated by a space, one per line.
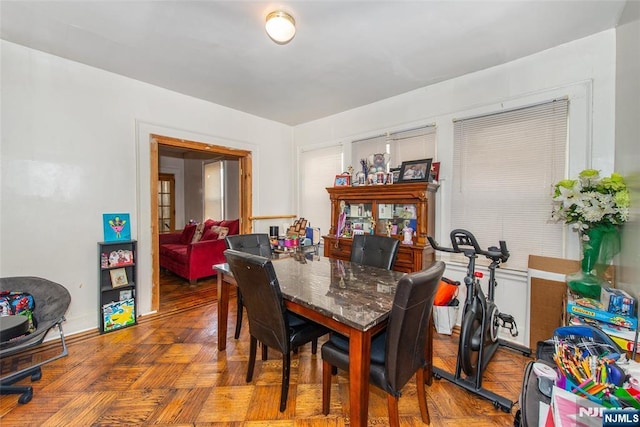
x=244 y=188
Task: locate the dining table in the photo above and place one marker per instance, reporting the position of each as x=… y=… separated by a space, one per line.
x=352 y=299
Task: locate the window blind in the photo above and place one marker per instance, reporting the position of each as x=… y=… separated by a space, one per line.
x=413 y=144
x=402 y=146
x=318 y=169
x=213 y=190
x=504 y=168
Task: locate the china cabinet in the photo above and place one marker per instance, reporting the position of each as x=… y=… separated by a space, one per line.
x=401 y=211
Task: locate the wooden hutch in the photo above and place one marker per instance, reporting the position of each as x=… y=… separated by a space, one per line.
x=381 y=209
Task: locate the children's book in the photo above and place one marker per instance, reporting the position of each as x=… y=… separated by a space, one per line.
x=118 y=314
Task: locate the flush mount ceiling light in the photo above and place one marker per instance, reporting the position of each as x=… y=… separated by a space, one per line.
x=280 y=26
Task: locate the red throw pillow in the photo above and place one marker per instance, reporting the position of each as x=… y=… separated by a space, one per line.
x=209 y=234
x=232 y=224
x=209 y=222
x=188 y=233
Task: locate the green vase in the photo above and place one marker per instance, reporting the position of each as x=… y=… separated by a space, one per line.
x=599 y=245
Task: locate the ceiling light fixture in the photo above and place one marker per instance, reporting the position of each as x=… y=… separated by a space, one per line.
x=280 y=26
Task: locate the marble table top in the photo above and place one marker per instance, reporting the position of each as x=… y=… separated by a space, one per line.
x=353 y=294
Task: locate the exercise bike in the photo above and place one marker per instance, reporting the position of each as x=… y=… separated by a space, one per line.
x=481 y=319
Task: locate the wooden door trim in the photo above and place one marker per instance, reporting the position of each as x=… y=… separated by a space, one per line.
x=246 y=184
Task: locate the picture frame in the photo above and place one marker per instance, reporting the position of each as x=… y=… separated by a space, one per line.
x=116 y=226
x=118 y=277
x=435 y=171
x=342 y=181
x=415 y=171
x=119 y=257
x=385 y=211
x=395 y=172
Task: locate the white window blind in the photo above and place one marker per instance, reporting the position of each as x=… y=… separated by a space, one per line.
x=413 y=144
x=213 y=190
x=318 y=169
x=364 y=148
x=504 y=168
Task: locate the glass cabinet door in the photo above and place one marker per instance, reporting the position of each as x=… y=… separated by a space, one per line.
x=358 y=219
x=394 y=217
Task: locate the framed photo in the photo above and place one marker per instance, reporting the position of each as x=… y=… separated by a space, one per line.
x=415 y=171
x=385 y=211
x=342 y=181
x=118 y=277
x=435 y=171
x=395 y=172
x=406 y=211
x=126 y=294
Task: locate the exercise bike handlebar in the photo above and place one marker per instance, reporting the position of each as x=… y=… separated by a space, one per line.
x=464 y=242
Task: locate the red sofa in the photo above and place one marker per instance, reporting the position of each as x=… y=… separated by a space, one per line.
x=192 y=252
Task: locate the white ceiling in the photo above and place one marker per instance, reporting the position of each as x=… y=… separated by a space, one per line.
x=344 y=55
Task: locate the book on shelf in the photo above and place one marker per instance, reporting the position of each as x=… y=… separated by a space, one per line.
x=118 y=314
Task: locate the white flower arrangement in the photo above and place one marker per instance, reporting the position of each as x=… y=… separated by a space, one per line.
x=591 y=201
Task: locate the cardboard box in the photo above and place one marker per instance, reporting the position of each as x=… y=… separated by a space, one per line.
x=591 y=309
x=621 y=335
x=617 y=301
x=548 y=293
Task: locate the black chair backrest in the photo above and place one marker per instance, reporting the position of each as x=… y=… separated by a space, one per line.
x=375 y=251
x=408 y=323
x=262 y=298
x=256 y=243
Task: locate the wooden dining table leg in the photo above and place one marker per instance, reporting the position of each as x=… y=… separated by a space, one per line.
x=359 y=360
x=428 y=370
x=223 y=310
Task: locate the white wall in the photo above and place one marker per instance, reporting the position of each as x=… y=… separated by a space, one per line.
x=628 y=139
x=584 y=70
x=193 y=191
x=75 y=144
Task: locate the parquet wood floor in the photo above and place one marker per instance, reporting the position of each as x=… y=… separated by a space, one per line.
x=167 y=371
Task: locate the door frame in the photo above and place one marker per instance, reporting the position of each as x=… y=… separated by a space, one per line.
x=245 y=197
x=169 y=177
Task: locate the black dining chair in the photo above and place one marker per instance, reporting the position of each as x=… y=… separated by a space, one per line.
x=399 y=351
x=256 y=244
x=374 y=251
x=269 y=320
